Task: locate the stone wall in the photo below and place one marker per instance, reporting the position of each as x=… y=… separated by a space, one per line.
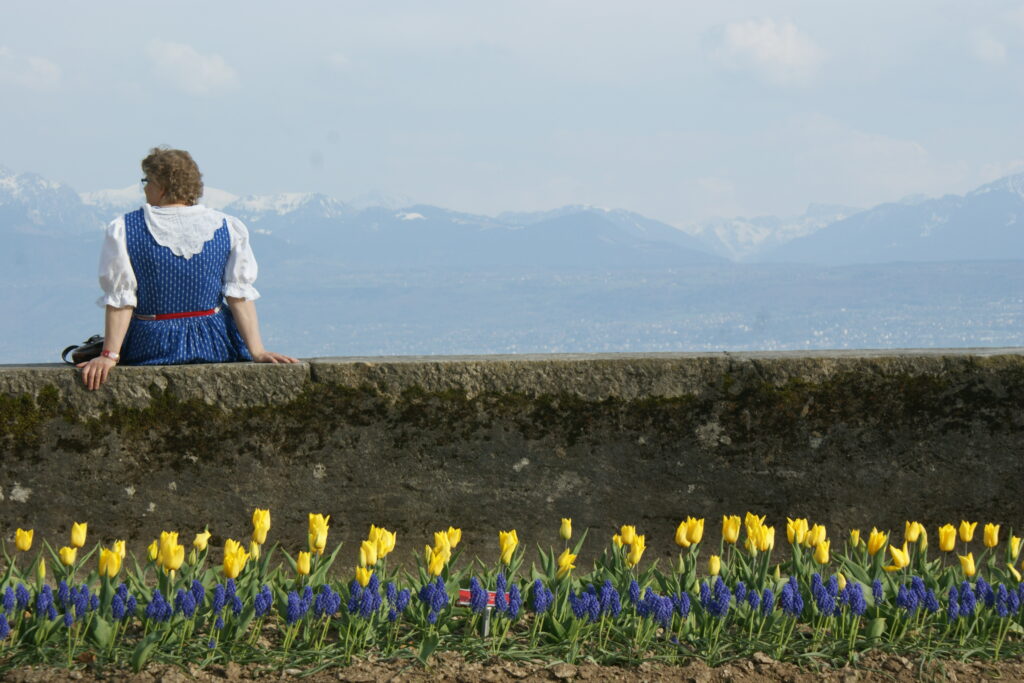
x=856 y=438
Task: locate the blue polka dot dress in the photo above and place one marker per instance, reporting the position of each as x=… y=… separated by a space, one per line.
x=168 y=283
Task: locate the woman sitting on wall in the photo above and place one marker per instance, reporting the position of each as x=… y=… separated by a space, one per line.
x=166 y=270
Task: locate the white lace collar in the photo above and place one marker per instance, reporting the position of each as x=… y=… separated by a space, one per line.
x=182 y=229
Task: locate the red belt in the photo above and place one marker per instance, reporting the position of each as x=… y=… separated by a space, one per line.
x=172 y=316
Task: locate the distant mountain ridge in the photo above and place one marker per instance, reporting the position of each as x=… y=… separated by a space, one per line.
x=985 y=223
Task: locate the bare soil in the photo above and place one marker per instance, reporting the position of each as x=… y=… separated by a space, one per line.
x=454 y=667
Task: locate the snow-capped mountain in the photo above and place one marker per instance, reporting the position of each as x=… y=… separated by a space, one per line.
x=32 y=204
x=986 y=223
x=742 y=239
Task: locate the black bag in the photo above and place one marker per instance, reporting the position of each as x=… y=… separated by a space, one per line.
x=87 y=350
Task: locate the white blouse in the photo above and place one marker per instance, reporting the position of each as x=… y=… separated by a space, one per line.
x=184 y=230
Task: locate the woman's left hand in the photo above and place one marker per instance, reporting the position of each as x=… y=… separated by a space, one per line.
x=95 y=371
x=271 y=357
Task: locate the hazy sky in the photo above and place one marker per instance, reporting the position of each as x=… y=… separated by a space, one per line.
x=678 y=110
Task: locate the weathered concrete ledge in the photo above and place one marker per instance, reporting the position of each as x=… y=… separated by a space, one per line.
x=851 y=438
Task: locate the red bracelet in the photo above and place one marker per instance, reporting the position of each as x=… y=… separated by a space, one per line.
x=112 y=355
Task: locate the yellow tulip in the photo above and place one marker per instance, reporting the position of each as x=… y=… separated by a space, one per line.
x=385 y=543
x=318 y=525
x=41 y=570
x=508 y=540
x=967 y=564
x=967 y=531
x=842 y=581
x=854 y=538
x=694 y=529
x=119 y=548
x=821 y=552
x=23 y=539
x=816 y=535
x=912 y=531
x=363 y=575
x=110 y=563
x=991 y=535
x=78 y=531
x=235 y=558
x=565 y=531
x=441 y=539
x=254 y=550
x=636 y=550
x=1013 y=570
x=900 y=558
x=796 y=530
x=947 y=537
x=617 y=541
x=260 y=525
x=202 y=540
x=68 y=555
x=750 y=519
x=715 y=564
x=681 y=540
x=454 y=536
x=302 y=563
x=628 y=533
x=367 y=554
x=172 y=557
x=153 y=550
x=1014 y=547
x=730 y=528
x=565 y=563
x=876 y=541
x=435 y=564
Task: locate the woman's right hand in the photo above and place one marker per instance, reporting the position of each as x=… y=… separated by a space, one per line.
x=271 y=357
x=96 y=371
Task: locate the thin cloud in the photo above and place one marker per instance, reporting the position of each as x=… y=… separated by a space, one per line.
x=986 y=48
x=35 y=73
x=191 y=71
x=777 y=51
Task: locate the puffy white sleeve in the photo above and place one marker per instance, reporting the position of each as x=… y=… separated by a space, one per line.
x=240 y=271
x=117 y=278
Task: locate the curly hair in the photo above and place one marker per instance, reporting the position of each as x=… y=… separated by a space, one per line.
x=176 y=172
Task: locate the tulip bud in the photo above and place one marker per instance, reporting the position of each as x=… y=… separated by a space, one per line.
x=507 y=540
x=991 y=535
x=153 y=550
x=1014 y=547
x=302 y=564
x=821 y=552
x=260 y=525
x=842 y=581
x=254 y=550
x=854 y=538
x=565 y=531
x=947 y=538
x=367 y=554
x=110 y=563
x=78 y=531
x=876 y=541
x=41 y=571
x=119 y=548
x=23 y=539
x=201 y=540
x=681 y=540
x=715 y=564
x=967 y=531
x=967 y=564
x=68 y=555
x=730 y=528
x=363 y=575
x=617 y=541
x=636 y=550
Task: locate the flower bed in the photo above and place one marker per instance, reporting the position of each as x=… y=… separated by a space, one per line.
x=806 y=599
